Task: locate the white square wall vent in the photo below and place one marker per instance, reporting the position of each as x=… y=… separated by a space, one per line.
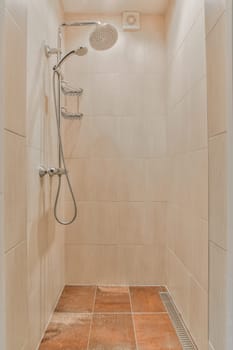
x=131 y=20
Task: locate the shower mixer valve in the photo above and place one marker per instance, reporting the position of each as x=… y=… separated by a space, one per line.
x=51 y=171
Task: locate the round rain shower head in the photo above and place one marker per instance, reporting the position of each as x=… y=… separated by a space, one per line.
x=103 y=37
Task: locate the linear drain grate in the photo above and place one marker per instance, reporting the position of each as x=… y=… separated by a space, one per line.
x=181 y=330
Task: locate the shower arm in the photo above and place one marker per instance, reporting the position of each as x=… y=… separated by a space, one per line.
x=79 y=24
x=71 y=24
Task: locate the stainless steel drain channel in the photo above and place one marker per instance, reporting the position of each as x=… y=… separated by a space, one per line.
x=180 y=328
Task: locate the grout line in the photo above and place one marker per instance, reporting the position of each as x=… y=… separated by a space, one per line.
x=212 y=137
x=110 y=313
x=14 y=133
x=216 y=23
x=117 y=285
x=92 y=316
x=132 y=315
x=217 y=245
x=177 y=49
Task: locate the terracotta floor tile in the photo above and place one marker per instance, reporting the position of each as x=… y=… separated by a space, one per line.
x=163 y=289
x=76 y=299
x=67 y=332
x=112 y=299
x=112 y=332
x=146 y=299
x=155 y=332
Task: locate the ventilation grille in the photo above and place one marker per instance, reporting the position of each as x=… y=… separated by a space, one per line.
x=181 y=330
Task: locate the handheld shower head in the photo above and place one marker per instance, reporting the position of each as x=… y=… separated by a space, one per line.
x=81 y=51
x=103 y=37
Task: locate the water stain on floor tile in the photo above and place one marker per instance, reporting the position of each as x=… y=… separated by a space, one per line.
x=155 y=332
x=112 y=332
x=146 y=299
x=112 y=299
x=67 y=332
x=76 y=299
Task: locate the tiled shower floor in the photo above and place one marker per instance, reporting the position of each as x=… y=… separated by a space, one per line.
x=110 y=318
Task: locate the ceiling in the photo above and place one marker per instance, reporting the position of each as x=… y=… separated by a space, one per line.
x=115 y=6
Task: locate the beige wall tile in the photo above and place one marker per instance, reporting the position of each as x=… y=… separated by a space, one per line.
x=173 y=224
x=179 y=20
x=197 y=120
x=187 y=212
x=131 y=180
x=199 y=315
x=91 y=264
x=114 y=264
x=217 y=189
x=136 y=265
x=45 y=248
x=181 y=77
x=15 y=189
x=177 y=128
x=97 y=223
x=15 y=78
x=179 y=180
x=94 y=179
x=213 y=10
x=155 y=225
x=16 y=297
x=199 y=251
x=216 y=77
x=198 y=166
x=217 y=297
x=178 y=282
x=18 y=9
x=95 y=137
x=132 y=221
x=35 y=329
x=157 y=179
x=153 y=94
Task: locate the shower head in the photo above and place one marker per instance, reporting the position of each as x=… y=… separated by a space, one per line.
x=103 y=37
x=81 y=51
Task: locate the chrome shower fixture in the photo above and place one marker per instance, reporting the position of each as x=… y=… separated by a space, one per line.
x=49 y=51
x=81 y=51
x=79 y=23
x=69 y=115
x=69 y=90
x=103 y=37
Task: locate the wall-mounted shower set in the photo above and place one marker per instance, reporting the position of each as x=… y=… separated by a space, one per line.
x=103 y=37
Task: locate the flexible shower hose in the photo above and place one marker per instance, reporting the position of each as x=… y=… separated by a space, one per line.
x=62 y=157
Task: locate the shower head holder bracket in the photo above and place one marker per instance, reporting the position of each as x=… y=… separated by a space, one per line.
x=49 y=51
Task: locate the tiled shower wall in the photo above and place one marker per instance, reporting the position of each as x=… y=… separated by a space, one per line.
x=14 y=205
x=2 y=308
x=33 y=252
x=187 y=212
x=45 y=240
x=218 y=16
x=117 y=157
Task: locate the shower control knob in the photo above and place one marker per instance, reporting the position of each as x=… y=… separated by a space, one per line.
x=42 y=171
x=52 y=171
x=56 y=171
